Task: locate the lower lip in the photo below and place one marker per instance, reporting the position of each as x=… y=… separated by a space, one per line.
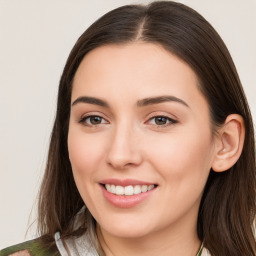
x=126 y=201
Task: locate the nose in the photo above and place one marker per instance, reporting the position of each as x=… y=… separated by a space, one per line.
x=124 y=148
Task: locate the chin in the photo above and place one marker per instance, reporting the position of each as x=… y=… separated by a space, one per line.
x=128 y=232
x=127 y=228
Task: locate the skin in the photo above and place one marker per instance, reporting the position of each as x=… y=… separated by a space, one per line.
x=129 y=143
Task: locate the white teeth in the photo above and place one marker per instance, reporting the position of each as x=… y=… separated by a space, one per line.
x=150 y=187
x=128 y=190
x=137 y=189
x=119 y=190
x=144 y=188
x=108 y=187
x=112 y=189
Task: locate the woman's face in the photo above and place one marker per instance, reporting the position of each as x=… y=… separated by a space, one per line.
x=139 y=123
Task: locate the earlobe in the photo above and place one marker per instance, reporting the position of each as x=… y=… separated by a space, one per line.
x=229 y=143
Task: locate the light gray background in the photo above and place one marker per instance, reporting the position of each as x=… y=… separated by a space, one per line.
x=35 y=39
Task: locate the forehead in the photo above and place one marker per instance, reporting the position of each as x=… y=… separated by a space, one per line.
x=136 y=69
x=137 y=58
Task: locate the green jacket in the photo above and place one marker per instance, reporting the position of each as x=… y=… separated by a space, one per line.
x=33 y=247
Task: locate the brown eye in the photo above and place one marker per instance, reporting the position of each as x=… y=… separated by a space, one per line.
x=92 y=120
x=95 y=119
x=162 y=121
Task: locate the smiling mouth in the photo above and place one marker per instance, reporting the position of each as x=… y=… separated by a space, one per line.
x=128 y=190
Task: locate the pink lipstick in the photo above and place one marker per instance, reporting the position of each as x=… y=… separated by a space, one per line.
x=126 y=193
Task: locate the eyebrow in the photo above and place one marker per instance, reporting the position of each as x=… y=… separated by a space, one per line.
x=90 y=100
x=160 y=99
x=140 y=103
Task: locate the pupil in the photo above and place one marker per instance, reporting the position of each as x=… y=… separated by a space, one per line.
x=95 y=120
x=161 y=120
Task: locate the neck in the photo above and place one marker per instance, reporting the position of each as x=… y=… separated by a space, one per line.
x=161 y=243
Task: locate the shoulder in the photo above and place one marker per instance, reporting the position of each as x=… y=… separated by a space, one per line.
x=34 y=247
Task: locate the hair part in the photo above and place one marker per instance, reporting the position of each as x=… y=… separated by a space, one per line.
x=227 y=209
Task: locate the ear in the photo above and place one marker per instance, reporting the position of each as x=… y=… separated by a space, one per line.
x=229 y=143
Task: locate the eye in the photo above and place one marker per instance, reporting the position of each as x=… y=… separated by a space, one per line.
x=161 y=121
x=93 y=120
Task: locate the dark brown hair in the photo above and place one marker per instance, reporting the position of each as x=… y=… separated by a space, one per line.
x=227 y=210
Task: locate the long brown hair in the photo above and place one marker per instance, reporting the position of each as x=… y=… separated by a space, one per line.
x=227 y=210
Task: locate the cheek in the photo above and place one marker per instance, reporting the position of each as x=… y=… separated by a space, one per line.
x=181 y=156
x=84 y=152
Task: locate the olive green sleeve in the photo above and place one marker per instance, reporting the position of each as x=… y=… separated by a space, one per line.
x=34 y=247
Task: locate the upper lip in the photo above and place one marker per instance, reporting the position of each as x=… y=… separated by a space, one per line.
x=125 y=182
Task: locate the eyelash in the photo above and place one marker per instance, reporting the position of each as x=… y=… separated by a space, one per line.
x=83 y=120
x=169 y=120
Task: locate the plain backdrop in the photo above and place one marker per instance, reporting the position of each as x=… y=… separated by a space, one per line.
x=35 y=40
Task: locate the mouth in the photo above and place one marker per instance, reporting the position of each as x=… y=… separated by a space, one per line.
x=128 y=190
x=126 y=193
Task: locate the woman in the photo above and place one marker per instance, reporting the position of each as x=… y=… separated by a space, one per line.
x=152 y=150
